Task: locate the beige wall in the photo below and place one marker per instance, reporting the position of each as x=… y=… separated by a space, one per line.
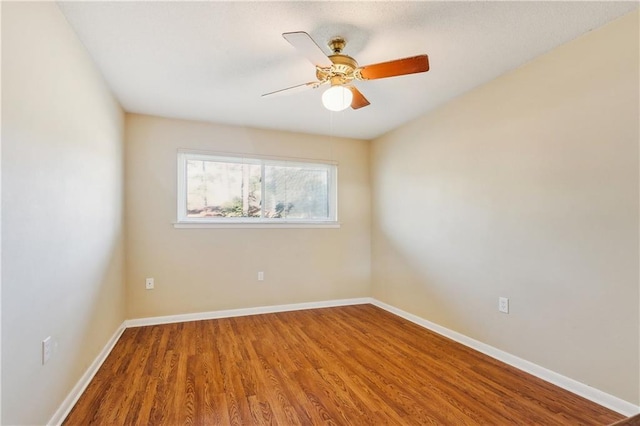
x=526 y=187
x=199 y=270
x=62 y=242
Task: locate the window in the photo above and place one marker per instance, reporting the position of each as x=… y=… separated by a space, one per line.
x=225 y=189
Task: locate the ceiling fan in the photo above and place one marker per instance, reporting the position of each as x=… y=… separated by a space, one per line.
x=339 y=71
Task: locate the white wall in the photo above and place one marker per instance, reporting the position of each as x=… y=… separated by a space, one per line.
x=526 y=187
x=62 y=200
x=199 y=270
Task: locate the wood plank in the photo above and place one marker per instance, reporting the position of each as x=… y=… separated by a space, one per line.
x=347 y=365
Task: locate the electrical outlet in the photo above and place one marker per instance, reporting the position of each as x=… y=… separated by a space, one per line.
x=149 y=284
x=47 y=349
x=503 y=304
x=260 y=276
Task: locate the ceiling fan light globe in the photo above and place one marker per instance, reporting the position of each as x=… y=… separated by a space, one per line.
x=337 y=98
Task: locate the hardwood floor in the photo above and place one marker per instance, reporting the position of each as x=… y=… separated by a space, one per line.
x=357 y=365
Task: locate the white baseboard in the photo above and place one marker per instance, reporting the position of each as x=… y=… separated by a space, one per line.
x=229 y=313
x=588 y=392
x=599 y=397
x=71 y=399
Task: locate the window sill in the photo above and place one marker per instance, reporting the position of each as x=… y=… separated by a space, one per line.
x=265 y=225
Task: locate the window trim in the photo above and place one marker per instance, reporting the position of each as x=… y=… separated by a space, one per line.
x=243 y=222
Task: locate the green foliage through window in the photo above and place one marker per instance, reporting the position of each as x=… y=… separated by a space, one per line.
x=215 y=188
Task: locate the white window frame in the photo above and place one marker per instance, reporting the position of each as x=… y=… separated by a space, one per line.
x=183 y=221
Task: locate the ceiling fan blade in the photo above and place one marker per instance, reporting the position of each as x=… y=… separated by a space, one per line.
x=412 y=65
x=294 y=89
x=308 y=48
x=359 y=100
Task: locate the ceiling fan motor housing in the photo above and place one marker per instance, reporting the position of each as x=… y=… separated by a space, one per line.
x=342 y=69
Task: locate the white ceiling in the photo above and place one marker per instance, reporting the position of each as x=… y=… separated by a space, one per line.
x=211 y=61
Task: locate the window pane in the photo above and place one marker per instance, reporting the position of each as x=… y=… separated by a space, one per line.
x=296 y=192
x=220 y=189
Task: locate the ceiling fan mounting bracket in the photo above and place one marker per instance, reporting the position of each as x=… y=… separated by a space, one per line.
x=337 y=44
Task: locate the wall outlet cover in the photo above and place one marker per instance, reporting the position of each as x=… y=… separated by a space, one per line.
x=47 y=349
x=503 y=304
